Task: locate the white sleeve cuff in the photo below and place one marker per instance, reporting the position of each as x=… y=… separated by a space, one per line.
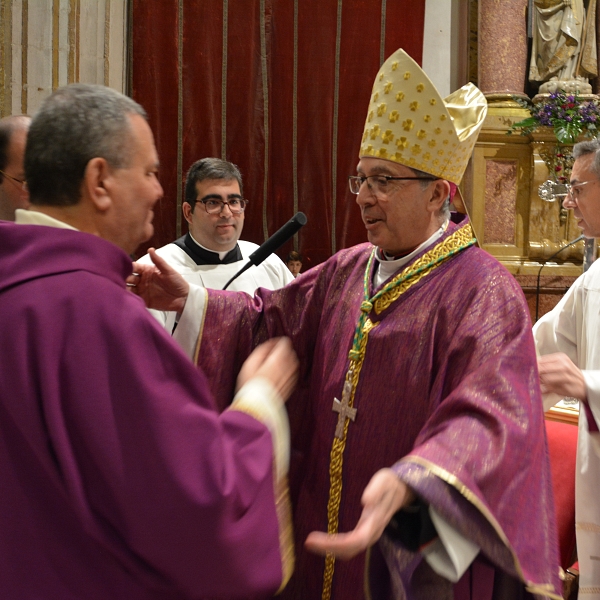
x=592 y=384
x=259 y=398
x=191 y=319
x=451 y=554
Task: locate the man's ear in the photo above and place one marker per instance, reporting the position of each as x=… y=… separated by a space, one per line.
x=440 y=190
x=96 y=182
x=186 y=207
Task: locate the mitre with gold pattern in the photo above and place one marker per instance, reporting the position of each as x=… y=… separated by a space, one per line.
x=409 y=123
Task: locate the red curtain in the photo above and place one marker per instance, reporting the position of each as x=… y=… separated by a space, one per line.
x=278 y=87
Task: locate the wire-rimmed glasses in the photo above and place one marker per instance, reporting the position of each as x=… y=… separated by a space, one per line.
x=379 y=183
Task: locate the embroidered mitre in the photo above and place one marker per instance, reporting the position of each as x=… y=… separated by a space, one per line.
x=409 y=123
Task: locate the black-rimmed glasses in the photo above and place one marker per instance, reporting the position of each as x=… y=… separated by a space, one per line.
x=214 y=206
x=379 y=183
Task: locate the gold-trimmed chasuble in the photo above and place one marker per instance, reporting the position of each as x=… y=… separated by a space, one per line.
x=461 y=239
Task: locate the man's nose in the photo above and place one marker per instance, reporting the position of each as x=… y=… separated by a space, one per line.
x=227 y=208
x=365 y=196
x=569 y=202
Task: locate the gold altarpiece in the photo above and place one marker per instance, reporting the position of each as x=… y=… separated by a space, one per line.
x=511 y=221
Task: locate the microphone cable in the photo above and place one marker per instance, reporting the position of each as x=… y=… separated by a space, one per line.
x=537 y=286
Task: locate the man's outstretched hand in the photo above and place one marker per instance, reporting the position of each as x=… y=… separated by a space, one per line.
x=385 y=495
x=159 y=285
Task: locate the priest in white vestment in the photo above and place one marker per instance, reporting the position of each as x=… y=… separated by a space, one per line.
x=568 y=340
x=211 y=253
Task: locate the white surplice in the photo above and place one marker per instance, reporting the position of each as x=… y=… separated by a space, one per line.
x=271 y=274
x=573 y=327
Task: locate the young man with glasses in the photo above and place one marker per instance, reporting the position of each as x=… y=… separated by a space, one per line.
x=13 y=195
x=211 y=252
x=569 y=365
x=418 y=423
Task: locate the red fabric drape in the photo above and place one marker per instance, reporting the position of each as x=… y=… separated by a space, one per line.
x=203 y=85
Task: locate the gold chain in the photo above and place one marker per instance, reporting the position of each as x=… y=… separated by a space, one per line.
x=337 y=459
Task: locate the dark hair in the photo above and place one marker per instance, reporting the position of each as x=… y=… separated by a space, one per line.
x=8 y=125
x=585 y=148
x=75 y=124
x=293 y=255
x=209 y=168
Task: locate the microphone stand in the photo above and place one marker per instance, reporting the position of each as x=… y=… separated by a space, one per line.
x=537 y=286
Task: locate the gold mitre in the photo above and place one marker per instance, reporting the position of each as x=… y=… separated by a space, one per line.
x=409 y=123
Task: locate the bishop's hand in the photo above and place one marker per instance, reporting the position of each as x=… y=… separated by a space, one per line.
x=159 y=285
x=383 y=497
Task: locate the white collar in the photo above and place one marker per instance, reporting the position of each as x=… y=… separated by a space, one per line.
x=222 y=255
x=34 y=217
x=388 y=268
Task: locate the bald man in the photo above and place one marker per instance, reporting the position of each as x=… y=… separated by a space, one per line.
x=13 y=135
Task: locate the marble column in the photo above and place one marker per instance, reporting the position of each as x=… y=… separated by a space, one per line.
x=596 y=82
x=502 y=52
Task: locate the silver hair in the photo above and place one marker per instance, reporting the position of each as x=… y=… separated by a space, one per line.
x=75 y=124
x=585 y=148
x=444 y=212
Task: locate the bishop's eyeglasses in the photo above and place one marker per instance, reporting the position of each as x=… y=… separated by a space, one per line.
x=379 y=183
x=215 y=205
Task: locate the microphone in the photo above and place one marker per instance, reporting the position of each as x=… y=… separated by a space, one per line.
x=537 y=286
x=280 y=237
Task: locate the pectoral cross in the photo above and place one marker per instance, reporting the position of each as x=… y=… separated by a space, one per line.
x=344 y=409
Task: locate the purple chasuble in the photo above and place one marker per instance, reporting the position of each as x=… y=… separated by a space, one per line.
x=119 y=479
x=448 y=397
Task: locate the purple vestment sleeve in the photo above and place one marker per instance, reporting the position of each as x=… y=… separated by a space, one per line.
x=119 y=478
x=448 y=396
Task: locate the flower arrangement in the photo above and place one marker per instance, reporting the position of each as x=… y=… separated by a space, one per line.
x=568 y=114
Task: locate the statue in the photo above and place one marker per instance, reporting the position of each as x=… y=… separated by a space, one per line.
x=564 y=45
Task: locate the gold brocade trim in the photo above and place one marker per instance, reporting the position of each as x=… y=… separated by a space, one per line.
x=199 y=341
x=589 y=590
x=337 y=461
x=283 y=506
x=544 y=589
x=283 y=510
x=439 y=252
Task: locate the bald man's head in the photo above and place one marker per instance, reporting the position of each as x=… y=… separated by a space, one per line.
x=13 y=135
